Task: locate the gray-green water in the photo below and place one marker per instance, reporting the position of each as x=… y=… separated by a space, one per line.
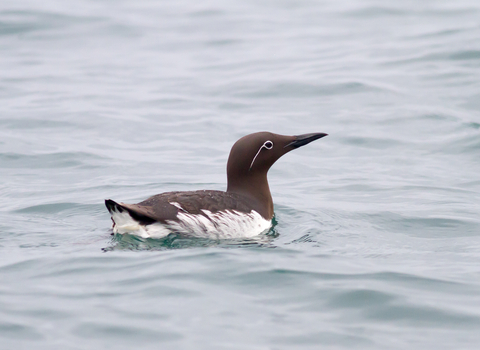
x=377 y=242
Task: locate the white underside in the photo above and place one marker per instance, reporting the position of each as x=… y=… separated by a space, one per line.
x=220 y=225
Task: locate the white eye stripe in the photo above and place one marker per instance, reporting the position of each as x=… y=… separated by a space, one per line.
x=267 y=145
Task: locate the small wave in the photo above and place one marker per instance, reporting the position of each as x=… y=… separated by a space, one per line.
x=465 y=55
x=372 y=142
x=11 y=330
x=124 y=332
x=431 y=226
x=35 y=124
x=24 y=22
x=53 y=208
x=50 y=160
x=458 y=56
x=298 y=90
x=376 y=11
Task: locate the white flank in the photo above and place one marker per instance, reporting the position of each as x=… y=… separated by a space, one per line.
x=225 y=224
x=124 y=223
x=220 y=225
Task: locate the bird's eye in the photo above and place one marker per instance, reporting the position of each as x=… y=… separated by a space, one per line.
x=268 y=144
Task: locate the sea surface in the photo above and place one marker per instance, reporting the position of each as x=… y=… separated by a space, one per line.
x=376 y=243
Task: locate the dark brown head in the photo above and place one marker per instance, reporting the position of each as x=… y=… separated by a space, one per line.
x=252 y=156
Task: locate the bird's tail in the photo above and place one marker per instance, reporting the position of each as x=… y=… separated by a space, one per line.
x=115 y=208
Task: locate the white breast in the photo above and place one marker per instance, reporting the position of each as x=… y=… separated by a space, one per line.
x=219 y=225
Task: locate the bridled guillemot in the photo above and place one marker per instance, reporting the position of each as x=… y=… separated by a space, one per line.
x=244 y=210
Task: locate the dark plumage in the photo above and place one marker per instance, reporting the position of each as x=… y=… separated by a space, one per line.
x=247 y=191
x=158 y=208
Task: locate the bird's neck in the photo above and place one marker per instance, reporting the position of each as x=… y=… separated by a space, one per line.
x=255 y=188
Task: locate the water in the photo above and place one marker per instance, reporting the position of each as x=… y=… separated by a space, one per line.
x=377 y=241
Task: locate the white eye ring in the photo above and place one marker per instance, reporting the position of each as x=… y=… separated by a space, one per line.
x=267 y=145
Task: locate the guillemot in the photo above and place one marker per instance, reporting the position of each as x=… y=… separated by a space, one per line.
x=244 y=210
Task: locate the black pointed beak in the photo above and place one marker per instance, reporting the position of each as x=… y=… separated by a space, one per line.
x=302 y=140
